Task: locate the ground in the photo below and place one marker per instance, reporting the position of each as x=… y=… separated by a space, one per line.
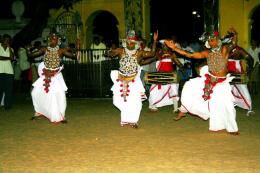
x=93 y=142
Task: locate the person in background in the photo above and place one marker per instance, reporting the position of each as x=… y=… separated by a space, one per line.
x=127 y=88
x=145 y=67
x=165 y=94
x=36 y=61
x=209 y=96
x=6 y=72
x=254 y=51
x=97 y=44
x=25 y=67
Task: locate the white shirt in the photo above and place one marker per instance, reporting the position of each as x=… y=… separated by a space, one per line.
x=5 y=65
x=23 y=59
x=99 y=46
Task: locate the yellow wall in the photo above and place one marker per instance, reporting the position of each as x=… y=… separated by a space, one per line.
x=237 y=13
x=88 y=7
x=116 y=7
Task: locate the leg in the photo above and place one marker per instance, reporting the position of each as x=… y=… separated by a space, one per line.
x=8 y=90
x=175 y=105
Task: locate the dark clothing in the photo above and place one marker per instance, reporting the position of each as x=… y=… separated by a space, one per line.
x=6 y=87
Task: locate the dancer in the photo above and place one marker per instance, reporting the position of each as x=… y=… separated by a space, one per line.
x=166 y=94
x=48 y=94
x=209 y=96
x=128 y=89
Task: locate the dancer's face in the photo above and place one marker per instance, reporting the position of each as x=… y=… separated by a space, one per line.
x=130 y=45
x=213 y=42
x=53 y=40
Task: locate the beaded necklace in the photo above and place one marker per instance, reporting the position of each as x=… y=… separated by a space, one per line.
x=128 y=63
x=216 y=61
x=52 y=58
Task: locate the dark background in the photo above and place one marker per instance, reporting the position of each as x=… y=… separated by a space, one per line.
x=176 y=18
x=170 y=17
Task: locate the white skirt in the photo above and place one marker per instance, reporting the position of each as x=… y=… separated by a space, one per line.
x=53 y=104
x=242 y=96
x=219 y=109
x=163 y=95
x=131 y=108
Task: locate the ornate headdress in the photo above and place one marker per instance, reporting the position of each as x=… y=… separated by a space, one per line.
x=209 y=35
x=131 y=37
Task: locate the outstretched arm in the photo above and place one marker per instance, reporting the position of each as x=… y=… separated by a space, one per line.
x=35 y=54
x=147 y=60
x=114 y=52
x=195 y=55
x=69 y=53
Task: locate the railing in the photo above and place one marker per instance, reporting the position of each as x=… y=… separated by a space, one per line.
x=90 y=76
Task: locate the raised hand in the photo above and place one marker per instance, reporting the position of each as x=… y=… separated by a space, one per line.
x=155 y=35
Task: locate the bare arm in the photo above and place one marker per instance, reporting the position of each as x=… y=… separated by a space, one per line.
x=149 y=54
x=176 y=61
x=195 y=55
x=147 y=60
x=37 y=53
x=68 y=53
x=114 y=52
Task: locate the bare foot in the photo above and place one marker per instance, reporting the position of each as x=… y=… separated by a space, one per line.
x=180 y=116
x=249 y=113
x=234 y=133
x=153 y=110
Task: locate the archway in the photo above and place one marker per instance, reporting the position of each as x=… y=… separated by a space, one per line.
x=69 y=25
x=255 y=24
x=104 y=24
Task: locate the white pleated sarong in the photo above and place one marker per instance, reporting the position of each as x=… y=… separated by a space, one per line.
x=163 y=95
x=242 y=96
x=131 y=108
x=219 y=109
x=53 y=104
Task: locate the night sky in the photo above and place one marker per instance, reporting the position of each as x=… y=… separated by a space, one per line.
x=175 y=18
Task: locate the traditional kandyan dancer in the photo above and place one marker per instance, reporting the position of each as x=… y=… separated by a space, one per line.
x=48 y=94
x=128 y=89
x=165 y=94
x=209 y=96
x=240 y=63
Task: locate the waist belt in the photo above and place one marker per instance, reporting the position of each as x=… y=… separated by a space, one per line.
x=126 y=78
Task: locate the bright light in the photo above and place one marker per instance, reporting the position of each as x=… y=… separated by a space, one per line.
x=194 y=12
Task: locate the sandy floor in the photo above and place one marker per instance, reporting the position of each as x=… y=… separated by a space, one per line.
x=93 y=142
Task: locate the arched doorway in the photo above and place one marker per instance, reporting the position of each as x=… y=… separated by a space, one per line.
x=104 y=24
x=255 y=24
x=68 y=24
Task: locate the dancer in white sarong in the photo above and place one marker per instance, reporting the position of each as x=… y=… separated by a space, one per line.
x=165 y=94
x=48 y=94
x=209 y=96
x=240 y=63
x=128 y=89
